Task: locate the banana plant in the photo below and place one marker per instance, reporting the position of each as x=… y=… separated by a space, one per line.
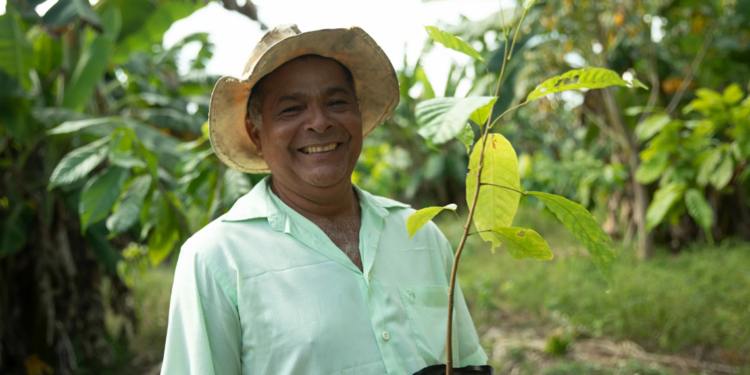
x=493 y=188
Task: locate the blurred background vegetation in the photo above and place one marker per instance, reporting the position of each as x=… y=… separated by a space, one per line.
x=106 y=169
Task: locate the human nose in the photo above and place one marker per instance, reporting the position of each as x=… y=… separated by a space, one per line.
x=319 y=121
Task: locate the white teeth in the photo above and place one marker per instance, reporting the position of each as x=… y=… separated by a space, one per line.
x=313 y=150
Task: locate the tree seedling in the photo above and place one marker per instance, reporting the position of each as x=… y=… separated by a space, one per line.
x=493 y=187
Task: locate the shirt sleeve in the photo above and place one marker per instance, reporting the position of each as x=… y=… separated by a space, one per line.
x=470 y=352
x=204 y=333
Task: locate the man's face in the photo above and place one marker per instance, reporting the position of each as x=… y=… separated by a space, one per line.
x=311 y=133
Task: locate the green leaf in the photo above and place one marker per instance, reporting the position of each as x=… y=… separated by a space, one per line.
x=16 y=53
x=496 y=206
x=14 y=227
x=418 y=219
x=589 y=78
x=108 y=255
x=637 y=110
x=523 y=243
x=66 y=11
x=652 y=125
x=420 y=75
x=724 y=173
x=236 y=184
x=78 y=163
x=100 y=194
x=164 y=237
x=664 y=199
x=733 y=94
x=76 y=125
x=708 y=166
x=441 y=119
x=128 y=210
x=151 y=31
x=92 y=64
x=699 y=209
x=650 y=171
x=708 y=101
x=122 y=151
x=152 y=162
x=481 y=115
x=450 y=41
x=466 y=136
x=47 y=52
x=584 y=227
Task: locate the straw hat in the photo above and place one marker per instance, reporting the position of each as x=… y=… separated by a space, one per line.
x=374 y=79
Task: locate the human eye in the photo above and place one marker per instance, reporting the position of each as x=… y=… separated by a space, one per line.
x=290 y=110
x=337 y=102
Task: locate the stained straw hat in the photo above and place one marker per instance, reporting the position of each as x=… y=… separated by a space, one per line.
x=374 y=79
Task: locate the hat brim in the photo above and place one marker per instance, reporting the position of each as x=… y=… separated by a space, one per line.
x=374 y=79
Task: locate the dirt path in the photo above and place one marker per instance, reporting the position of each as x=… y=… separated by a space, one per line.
x=518 y=345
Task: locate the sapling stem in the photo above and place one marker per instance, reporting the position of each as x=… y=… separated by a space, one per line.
x=465 y=236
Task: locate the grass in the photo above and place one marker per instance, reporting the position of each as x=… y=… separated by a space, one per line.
x=145 y=347
x=697 y=300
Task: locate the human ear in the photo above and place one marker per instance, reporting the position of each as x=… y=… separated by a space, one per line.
x=254 y=134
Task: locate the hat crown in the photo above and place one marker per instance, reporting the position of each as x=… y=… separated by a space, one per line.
x=272 y=37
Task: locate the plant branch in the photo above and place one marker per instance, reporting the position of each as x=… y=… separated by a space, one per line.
x=506 y=112
x=598 y=121
x=693 y=67
x=504 y=187
x=655 y=87
x=515 y=36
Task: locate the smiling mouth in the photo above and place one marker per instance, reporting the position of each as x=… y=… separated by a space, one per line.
x=315 y=150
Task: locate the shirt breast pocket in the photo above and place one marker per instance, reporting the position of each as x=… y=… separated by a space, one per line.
x=427 y=310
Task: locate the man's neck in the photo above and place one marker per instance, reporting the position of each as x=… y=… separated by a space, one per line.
x=338 y=201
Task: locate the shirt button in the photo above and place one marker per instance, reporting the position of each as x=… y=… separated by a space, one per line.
x=369 y=277
x=386 y=335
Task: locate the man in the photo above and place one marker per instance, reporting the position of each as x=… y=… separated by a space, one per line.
x=307 y=273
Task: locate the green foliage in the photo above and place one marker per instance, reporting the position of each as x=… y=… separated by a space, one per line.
x=694 y=299
x=584 y=227
x=687 y=156
x=664 y=199
x=466 y=136
x=128 y=209
x=496 y=206
x=450 y=41
x=653 y=125
x=92 y=113
x=15 y=51
x=590 y=78
x=65 y=12
x=523 y=243
x=442 y=119
x=76 y=125
x=418 y=219
x=99 y=195
x=700 y=211
x=154 y=23
x=92 y=63
x=79 y=163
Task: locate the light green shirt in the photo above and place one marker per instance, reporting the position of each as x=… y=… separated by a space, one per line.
x=262 y=290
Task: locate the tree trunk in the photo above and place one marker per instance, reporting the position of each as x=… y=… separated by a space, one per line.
x=640 y=193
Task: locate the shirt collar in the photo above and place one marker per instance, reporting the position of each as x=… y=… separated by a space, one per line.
x=258 y=204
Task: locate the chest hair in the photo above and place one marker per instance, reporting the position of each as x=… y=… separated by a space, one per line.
x=344 y=233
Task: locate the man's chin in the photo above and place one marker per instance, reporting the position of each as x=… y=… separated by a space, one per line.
x=323 y=178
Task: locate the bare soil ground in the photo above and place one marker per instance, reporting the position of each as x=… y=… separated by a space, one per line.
x=518 y=344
